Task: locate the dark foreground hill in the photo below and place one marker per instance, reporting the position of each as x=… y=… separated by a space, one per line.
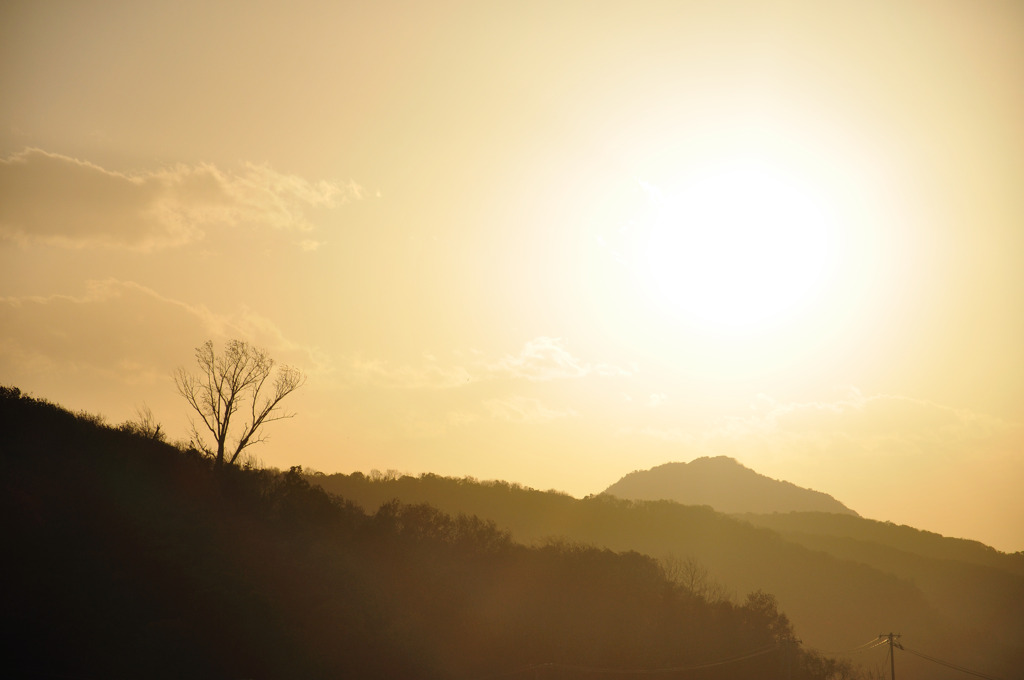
x=725 y=485
x=126 y=557
x=841 y=579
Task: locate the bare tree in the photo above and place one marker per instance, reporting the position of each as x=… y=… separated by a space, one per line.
x=232 y=386
x=144 y=424
x=694 y=578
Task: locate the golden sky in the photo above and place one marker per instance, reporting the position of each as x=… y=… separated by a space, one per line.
x=546 y=242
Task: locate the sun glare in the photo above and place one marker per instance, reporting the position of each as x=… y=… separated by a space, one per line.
x=736 y=248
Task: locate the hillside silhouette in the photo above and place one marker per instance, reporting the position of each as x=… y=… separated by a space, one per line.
x=962 y=579
x=841 y=579
x=128 y=558
x=725 y=485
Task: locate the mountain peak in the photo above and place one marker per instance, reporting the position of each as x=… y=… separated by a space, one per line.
x=726 y=485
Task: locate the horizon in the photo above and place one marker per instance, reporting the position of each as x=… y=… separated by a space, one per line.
x=544 y=244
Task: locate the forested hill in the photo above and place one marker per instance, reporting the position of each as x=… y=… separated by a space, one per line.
x=952 y=599
x=724 y=484
x=906 y=539
x=130 y=558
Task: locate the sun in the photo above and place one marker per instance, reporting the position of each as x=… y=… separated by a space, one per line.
x=737 y=247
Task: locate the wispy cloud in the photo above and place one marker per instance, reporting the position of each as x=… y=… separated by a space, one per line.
x=541 y=359
x=545 y=358
x=58 y=200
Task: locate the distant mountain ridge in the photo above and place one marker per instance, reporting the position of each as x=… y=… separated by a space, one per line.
x=724 y=484
x=839 y=577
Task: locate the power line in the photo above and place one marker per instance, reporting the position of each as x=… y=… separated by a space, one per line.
x=870 y=644
x=949 y=664
x=887 y=640
x=761 y=651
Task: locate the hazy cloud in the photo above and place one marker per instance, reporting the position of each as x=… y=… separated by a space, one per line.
x=126 y=332
x=878 y=424
x=541 y=359
x=527 y=410
x=431 y=375
x=117 y=330
x=891 y=457
x=673 y=435
x=861 y=432
x=887 y=456
x=54 y=199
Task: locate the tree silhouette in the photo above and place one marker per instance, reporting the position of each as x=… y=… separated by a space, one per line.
x=227 y=383
x=144 y=424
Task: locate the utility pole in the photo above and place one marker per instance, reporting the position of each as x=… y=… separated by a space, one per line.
x=788 y=648
x=892 y=657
